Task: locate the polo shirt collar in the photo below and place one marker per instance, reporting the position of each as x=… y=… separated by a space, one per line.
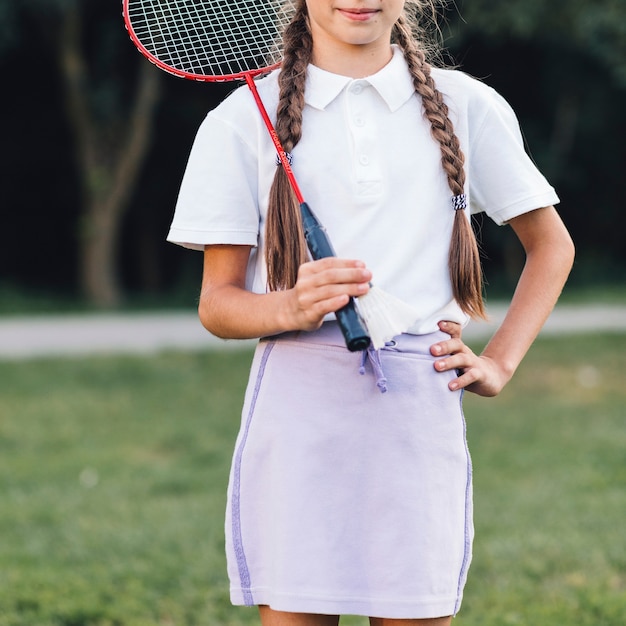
x=393 y=83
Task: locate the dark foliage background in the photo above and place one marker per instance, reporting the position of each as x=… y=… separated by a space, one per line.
x=562 y=66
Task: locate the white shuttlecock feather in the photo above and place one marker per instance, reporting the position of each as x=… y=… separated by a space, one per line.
x=384 y=315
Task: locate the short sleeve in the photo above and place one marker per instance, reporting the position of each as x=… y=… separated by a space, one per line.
x=217 y=202
x=503 y=180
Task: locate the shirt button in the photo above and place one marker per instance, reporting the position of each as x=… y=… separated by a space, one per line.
x=364 y=159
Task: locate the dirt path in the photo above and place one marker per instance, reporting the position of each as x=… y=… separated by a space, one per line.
x=74 y=335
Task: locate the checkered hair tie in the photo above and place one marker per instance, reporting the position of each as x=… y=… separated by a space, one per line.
x=288 y=156
x=459 y=203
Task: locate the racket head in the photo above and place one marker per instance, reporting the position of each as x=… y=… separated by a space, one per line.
x=209 y=40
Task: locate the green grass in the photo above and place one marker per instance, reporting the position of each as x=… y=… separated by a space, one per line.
x=550 y=473
x=113 y=473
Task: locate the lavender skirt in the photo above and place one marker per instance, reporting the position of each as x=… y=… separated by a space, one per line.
x=343 y=499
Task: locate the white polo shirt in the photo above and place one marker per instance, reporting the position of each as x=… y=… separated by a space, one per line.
x=370 y=170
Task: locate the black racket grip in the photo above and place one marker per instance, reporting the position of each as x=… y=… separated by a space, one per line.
x=320 y=247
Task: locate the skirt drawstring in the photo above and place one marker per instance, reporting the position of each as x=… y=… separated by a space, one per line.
x=374 y=358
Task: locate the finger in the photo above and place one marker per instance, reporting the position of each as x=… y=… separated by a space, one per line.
x=454 y=329
x=460 y=382
x=310 y=315
x=450 y=346
x=334 y=276
x=316 y=302
x=471 y=380
x=462 y=361
x=329 y=263
x=311 y=294
x=320 y=309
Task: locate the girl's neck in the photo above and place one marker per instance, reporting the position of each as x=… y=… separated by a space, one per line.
x=356 y=61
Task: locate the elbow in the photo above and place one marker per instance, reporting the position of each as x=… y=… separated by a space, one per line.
x=568 y=253
x=203 y=315
x=207 y=316
x=554 y=257
x=560 y=261
x=561 y=249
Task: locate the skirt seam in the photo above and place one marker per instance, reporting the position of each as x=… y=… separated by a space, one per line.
x=468 y=521
x=242 y=564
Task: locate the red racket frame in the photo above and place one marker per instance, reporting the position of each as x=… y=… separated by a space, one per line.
x=247 y=76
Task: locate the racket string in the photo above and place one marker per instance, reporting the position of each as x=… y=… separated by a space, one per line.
x=211 y=38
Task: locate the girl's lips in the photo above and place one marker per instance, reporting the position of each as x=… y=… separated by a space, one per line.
x=358 y=15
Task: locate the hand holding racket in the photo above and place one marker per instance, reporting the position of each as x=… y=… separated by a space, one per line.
x=226 y=40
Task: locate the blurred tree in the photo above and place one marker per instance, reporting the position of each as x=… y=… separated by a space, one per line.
x=563 y=67
x=109 y=155
x=110 y=113
x=598 y=26
x=80 y=102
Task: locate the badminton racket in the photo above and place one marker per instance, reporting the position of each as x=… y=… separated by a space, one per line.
x=217 y=41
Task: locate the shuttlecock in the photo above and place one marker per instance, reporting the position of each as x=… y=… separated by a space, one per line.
x=384 y=315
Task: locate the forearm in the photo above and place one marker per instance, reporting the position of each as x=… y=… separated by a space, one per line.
x=228 y=310
x=541 y=282
x=534 y=298
x=231 y=312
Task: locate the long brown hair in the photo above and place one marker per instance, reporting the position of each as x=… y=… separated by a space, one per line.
x=285 y=244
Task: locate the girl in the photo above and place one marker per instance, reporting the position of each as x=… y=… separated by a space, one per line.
x=342 y=499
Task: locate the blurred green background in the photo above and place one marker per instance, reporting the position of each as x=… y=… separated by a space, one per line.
x=95 y=141
x=113 y=468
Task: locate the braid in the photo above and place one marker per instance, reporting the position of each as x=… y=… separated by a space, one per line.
x=464 y=258
x=285 y=245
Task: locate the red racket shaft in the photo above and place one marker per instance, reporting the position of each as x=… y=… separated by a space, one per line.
x=319 y=245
